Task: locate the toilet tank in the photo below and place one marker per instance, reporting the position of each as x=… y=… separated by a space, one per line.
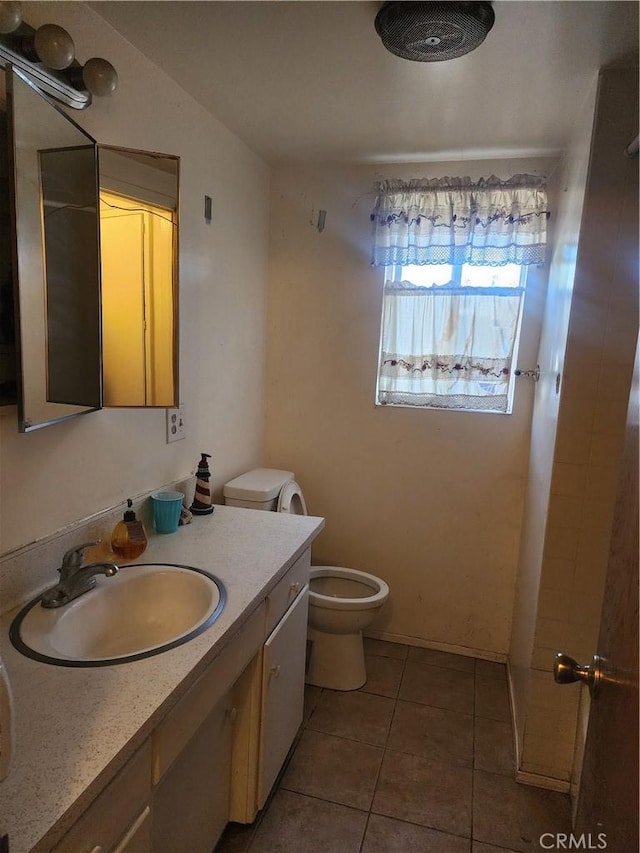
x=257 y=489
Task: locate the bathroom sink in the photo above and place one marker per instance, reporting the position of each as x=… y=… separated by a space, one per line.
x=143 y=610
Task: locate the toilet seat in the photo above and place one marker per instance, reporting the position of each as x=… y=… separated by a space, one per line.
x=291 y=499
x=378 y=589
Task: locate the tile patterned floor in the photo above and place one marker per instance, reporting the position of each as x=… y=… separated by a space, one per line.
x=419 y=760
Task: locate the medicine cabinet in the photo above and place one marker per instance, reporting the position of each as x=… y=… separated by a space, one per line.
x=95 y=232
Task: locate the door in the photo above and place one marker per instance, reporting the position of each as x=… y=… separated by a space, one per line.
x=608 y=797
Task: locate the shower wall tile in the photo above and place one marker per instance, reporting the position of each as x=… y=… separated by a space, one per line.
x=561 y=542
x=552 y=633
x=568 y=479
x=565 y=511
x=573 y=446
x=603 y=445
x=581 y=373
x=557 y=573
x=614 y=380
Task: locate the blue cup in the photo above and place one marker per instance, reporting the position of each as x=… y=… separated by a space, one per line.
x=166 y=511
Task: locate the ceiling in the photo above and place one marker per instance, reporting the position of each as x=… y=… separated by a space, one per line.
x=311 y=81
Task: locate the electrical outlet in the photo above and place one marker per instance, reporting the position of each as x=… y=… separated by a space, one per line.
x=175 y=425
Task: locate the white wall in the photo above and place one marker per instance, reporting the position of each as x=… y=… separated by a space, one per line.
x=56 y=475
x=429 y=500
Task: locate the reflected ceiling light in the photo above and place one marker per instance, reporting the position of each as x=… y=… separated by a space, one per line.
x=47 y=56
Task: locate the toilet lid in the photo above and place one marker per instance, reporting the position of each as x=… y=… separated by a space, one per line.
x=291 y=499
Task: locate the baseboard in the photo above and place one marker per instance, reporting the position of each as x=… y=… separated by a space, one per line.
x=543 y=782
x=483 y=654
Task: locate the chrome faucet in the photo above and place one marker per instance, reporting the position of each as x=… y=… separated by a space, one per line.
x=76 y=578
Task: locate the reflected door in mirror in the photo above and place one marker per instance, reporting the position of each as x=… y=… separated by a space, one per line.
x=137 y=302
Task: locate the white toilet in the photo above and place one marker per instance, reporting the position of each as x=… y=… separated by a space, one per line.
x=341 y=601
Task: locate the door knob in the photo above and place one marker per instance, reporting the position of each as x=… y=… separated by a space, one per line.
x=566 y=670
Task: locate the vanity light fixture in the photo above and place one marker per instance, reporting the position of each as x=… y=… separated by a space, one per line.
x=47 y=56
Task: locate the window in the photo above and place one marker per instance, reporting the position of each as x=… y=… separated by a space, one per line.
x=449 y=336
x=455 y=255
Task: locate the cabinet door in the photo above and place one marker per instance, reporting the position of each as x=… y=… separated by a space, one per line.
x=118 y=814
x=282 y=691
x=191 y=801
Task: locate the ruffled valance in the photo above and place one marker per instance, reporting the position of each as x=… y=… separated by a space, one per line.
x=456 y=221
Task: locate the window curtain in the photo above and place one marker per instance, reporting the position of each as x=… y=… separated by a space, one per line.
x=455 y=221
x=448 y=348
x=453 y=347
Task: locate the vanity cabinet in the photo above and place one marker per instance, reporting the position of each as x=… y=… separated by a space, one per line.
x=119 y=819
x=216 y=754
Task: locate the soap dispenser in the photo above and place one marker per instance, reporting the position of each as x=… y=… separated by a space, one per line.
x=129 y=538
x=202 y=504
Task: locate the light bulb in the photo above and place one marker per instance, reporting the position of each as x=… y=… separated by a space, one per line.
x=54 y=46
x=10 y=16
x=100 y=77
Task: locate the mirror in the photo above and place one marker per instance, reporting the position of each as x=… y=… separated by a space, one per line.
x=56 y=266
x=86 y=343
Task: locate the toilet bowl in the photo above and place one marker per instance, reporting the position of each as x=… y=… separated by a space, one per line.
x=342 y=602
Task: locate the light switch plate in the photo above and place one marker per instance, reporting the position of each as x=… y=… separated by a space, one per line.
x=176 y=429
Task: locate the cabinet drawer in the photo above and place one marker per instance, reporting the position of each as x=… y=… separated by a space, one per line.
x=287 y=590
x=180 y=724
x=116 y=813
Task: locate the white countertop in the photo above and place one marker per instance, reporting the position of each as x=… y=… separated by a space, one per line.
x=74 y=727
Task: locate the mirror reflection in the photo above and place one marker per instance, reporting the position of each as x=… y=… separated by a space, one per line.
x=138 y=242
x=70 y=234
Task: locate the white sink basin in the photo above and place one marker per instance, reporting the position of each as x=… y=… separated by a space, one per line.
x=141 y=611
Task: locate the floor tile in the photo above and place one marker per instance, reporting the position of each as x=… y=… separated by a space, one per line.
x=430 y=793
x=490 y=670
x=481 y=847
x=508 y=814
x=387 y=835
x=235 y=838
x=383 y=675
x=302 y=824
x=333 y=768
x=433 y=657
x=385 y=649
x=437 y=686
x=311 y=696
x=492 y=700
x=359 y=716
x=434 y=733
x=493 y=746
